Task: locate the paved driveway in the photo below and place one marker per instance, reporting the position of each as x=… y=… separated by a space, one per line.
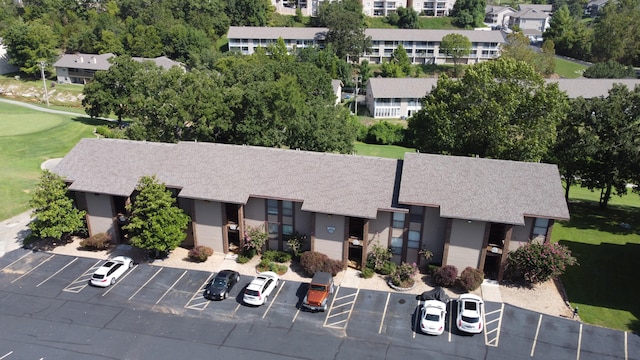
x=48 y=310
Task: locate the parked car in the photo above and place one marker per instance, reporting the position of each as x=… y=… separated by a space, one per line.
x=219 y=287
x=108 y=273
x=432 y=316
x=320 y=288
x=470 y=318
x=259 y=289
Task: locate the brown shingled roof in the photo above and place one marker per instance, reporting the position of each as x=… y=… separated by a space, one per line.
x=483 y=189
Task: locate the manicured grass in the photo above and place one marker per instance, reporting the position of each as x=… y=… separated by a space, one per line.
x=386 y=151
x=569 y=69
x=604 y=285
x=27 y=138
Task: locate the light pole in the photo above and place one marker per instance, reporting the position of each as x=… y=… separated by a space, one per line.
x=356 y=94
x=43 y=64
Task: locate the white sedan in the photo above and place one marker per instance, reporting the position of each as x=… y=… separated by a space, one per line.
x=258 y=291
x=108 y=273
x=470 y=318
x=432 y=317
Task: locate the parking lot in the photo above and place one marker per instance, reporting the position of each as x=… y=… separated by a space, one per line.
x=57 y=287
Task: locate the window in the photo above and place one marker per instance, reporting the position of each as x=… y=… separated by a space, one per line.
x=398 y=220
x=540 y=227
x=272 y=207
x=396 y=245
x=414 y=240
x=280 y=220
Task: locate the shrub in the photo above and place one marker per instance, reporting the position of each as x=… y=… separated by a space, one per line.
x=312 y=262
x=367 y=273
x=255 y=238
x=241 y=259
x=540 y=262
x=249 y=253
x=388 y=268
x=445 y=276
x=296 y=243
x=200 y=253
x=277 y=256
x=378 y=257
x=471 y=278
x=100 y=241
x=385 y=133
x=403 y=275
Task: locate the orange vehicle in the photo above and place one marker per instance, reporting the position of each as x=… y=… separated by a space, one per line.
x=320 y=288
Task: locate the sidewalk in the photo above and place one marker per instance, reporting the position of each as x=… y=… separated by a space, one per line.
x=13 y=231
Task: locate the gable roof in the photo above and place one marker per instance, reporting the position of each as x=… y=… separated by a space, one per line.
x=538 y=7
x=590 y=88
x=415 y=88
x=162 y=61
x=483 y=189
x=531 y=14
x=495 y=9
x=325 y=183
x=85 y=61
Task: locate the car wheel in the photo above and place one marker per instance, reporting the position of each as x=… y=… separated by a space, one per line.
x=266 y=299
x=130 y=265
x=238 y=278
x=224 y=296
x=113 y=281
x=324 y=308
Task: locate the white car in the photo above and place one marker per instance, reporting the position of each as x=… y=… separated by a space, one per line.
x=470 y=318
x=432 y=316
x=258 y=291
x=108 y=273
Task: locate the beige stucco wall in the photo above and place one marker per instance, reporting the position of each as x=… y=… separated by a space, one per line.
x=255 y=212
x=520 y=234
x=465 y=244
x=379 y=230
x=208 y=224
x=434 y=231
x=100 y=214
x=328 y=243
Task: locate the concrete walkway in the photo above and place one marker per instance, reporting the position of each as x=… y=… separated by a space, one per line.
x=491 y=291
x=13 y=231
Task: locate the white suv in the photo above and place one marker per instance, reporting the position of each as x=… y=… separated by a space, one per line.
x=258 y=291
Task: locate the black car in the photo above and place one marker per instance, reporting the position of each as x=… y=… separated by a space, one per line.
x=219 y=287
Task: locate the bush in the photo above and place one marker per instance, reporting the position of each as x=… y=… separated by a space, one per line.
x=100 y=241
x=367 y=273
x=403 y=275
x=388 y=268
x=539 y=262
x=312 y=262
x=445 y=276
x=471 y=278
x=255 y=238
x=249 y=253
x=378 y=257
x=296 y=243
x=200 y=253
x=241 y=259
x=385 y=133
x=277 y=256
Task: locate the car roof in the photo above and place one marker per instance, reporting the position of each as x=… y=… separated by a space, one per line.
x=225 y=274
x=121 y=258
x=470 y=297
x=321 y=277
x=435 y=304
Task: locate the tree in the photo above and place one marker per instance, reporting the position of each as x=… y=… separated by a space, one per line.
x=29 y=43
x=249 y=12
x=345 y=21
x=456 y=46
x=499 y=109
x=365 y=71
x=468 y=13
x=53 y=211
x=156 y=223
x=518 y=48
x=610 y=70
x=570 y=36
x=399 y=65
x=404 y=18
x=617 y=33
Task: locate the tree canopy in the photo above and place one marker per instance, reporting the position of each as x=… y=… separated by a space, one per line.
x=54 y=214
x=455 y=46
x=468 y=13
x=156 y=223
x=499 y=109
x=518 y=47
x=346 y=25
x=610 y=70
x=30 y=43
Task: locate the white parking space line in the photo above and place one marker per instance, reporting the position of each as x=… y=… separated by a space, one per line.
x=57 y=272
x=331 y=306
x=337 y=324
x=119 y=281
x=33 y=268
x=417 y=322
x=535 y=338
x=494 y=341
x=384 y=313
x=451 y=324
x=15 y=261
x=274 y=299
x=7 y=354
x=145 y=284
x=202 y=302
x=171 y=287
x=235 y=310
x=579 y=343
x=296 y=315
x=82 y=281
x=626 y=347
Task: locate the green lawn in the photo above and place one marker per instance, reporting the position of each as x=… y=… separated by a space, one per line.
x=603 y=286
x=386 y=151
x=569 y=69
x=27 y=138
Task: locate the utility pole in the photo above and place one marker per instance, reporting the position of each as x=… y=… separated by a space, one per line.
x=356 y=94
x=43 y=64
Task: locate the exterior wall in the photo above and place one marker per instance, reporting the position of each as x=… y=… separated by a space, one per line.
x=100 y=214
x=382 y=7
x=520 y=234
x=255 y=212
x=302 y=224
x=428 y=52
x=433 y=7
x=5 y=67
x=330 y=235
x=434 y=231
x=398 y=108
x=465 y=243
x=62 y=75
x=208 y=224
x=379 y=230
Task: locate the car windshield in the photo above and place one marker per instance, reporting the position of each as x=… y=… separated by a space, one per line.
x=220 y=284
x=432 y=317
x=470 y=320
x=470 y=305
x=252 y=292
x=108 y=264
x=316 y=287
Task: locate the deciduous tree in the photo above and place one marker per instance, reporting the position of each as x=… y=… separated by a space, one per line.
x=29 y=43
x=345 y=21
x=54 y=214
x=455 y=46
x=156 y=223
x=468 y=13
